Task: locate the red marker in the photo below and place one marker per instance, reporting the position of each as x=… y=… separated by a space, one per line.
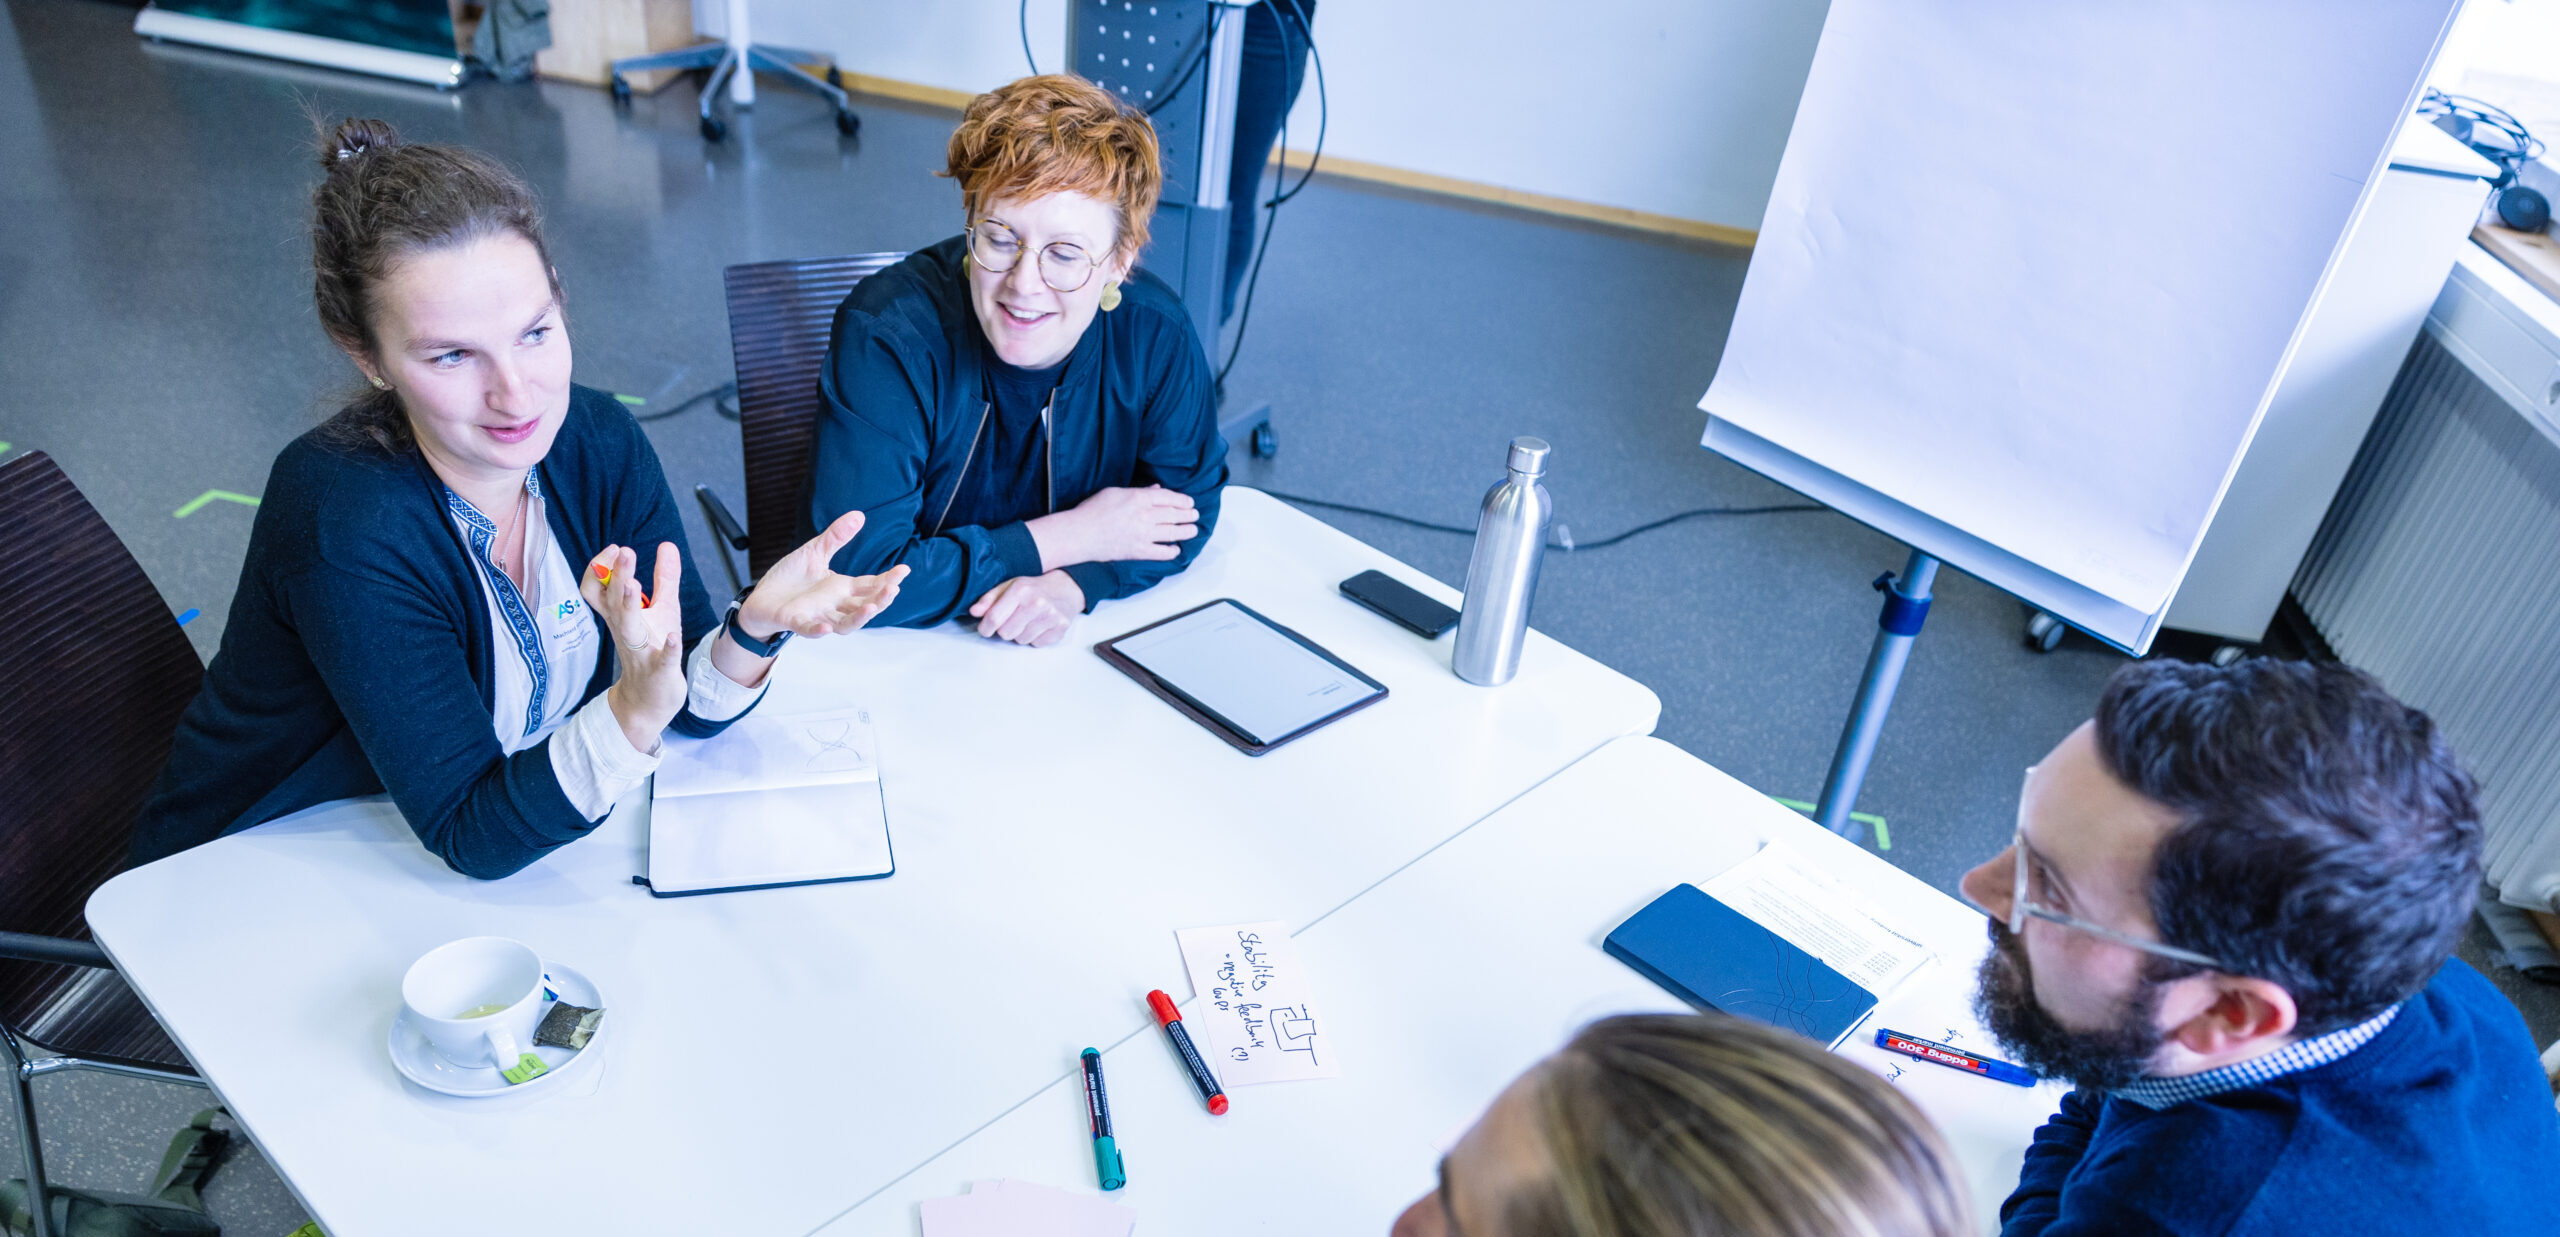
x=604 y=576
x=1170 y=1019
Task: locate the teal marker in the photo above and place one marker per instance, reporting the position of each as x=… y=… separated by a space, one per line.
x=1097 y=1110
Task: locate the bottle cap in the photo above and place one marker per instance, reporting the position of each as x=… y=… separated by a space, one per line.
x=1529 y=456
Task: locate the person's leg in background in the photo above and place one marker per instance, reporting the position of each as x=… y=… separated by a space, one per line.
x=1275 y=65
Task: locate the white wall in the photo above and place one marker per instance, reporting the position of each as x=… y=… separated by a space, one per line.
x=1674 y=107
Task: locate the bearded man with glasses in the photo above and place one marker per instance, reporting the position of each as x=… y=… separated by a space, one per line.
x=2228 y=915
x=1028 y=422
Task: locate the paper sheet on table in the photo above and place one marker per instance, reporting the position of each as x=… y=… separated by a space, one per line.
x=1257 y=680
x=1777 y=889
x=765 y=751
x=1022 y=1209
x=1254 y=1005
x=1987 y=1123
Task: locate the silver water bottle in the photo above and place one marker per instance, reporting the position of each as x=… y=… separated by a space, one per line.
x=1502 y=578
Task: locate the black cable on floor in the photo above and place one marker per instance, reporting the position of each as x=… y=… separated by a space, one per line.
x=1566 y=543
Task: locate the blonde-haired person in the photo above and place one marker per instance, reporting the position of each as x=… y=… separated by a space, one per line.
x=1675 y=1125
x=1029 y=423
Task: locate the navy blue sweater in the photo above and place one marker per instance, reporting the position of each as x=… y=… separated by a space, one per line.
x=2442 y=1124
x=904 y=388
x=358 y=656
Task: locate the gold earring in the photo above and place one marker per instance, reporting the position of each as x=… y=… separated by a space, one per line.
x=1111 y=296
x=967 y=267
x=380 y=385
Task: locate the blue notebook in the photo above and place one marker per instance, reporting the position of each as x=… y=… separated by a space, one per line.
x=1713 y=957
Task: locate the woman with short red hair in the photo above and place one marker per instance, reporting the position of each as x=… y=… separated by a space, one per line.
x=1028 y=422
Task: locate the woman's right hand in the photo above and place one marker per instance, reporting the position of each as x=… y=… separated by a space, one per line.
x=648 y=639
x=1117 y=524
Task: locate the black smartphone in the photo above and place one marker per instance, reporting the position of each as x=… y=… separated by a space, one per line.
x=1400 y=604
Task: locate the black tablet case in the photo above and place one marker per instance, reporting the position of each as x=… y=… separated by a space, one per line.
x=1208 y=718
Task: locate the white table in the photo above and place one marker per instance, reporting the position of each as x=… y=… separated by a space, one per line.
x=1053 y=824
x=1451 y=977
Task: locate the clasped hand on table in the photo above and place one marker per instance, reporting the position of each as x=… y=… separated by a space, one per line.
x=1118 y=524
x=799 y=593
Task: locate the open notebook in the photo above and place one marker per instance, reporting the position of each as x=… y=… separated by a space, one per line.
x=777 y=799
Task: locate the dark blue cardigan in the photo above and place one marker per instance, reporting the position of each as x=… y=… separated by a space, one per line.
x=901 y=396
x=2441 y=1124
x=358 y=654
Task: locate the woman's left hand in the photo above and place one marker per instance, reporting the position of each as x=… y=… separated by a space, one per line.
x=811 y=598
x=1032 y=610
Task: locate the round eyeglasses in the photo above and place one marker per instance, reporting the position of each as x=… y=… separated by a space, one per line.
x=1063 y=266
x=2028 y=900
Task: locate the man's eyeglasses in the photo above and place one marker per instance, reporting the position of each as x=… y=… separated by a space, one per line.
x=1063 y=266
x=2028 y=899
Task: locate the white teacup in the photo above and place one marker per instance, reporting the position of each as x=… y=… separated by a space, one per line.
x=478 y=1000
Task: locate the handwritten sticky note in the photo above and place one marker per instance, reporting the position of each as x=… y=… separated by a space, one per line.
x=1260 y=1019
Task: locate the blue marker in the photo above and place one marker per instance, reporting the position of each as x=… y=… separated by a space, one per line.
x=1097 y=1109
x=1953 y=1058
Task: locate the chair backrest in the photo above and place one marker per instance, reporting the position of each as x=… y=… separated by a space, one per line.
x=95 y=677
x=779 y=317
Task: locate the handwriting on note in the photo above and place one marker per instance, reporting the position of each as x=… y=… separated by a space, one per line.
x=1253 y=1004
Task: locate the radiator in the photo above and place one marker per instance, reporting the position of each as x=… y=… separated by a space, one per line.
x=2435 y=571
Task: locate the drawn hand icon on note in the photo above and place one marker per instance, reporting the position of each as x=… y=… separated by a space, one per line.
x=1296 y=1029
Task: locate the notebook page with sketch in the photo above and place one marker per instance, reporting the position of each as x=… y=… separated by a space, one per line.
x=777 y=799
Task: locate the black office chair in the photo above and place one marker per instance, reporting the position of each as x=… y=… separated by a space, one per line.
x=779 y=317
x=95 y=681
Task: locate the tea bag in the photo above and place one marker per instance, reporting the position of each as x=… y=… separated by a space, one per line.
x=568 y=1026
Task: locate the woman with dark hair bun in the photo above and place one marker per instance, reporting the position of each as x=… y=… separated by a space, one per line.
x=436 y=572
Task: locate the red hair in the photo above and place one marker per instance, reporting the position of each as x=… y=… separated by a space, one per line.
x=1058 y=133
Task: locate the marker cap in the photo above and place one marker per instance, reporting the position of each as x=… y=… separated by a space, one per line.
x=1163 y=1007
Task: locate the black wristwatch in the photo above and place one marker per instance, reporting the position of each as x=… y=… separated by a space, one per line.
x=761 y=648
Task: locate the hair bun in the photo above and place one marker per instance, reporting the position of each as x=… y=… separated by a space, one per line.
x=356 y=136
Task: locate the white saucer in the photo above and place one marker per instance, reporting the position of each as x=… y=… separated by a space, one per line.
x=419 y=1061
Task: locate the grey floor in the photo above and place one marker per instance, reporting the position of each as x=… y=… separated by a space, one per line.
x=155 y=316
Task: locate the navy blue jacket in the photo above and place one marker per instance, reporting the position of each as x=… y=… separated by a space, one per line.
x=2440 y=1124
x=358 y=656
x=904 y=389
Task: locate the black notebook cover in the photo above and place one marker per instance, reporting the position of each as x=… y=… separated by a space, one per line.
x=1713 y=957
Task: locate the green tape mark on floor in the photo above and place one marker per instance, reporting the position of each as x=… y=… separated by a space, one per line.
x=1884 y=839
x=198 y=502
x=633 y=400
x=308 y=1230
x=4 y=448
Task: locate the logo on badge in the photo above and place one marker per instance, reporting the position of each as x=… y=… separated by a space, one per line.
x=569 y=608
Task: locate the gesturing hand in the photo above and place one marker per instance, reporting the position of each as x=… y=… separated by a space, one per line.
x=1033 y=610
x=648 y=638
x=803 y=593
x=1118 y=524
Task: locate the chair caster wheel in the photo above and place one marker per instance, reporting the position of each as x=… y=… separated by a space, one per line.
x=835 y=77
x=2044 y=632
x=714 y=128
x=621 y=91
x=1265 y=443
x=848 y=124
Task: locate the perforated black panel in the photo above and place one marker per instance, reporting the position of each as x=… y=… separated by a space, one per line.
x=1140 y=50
